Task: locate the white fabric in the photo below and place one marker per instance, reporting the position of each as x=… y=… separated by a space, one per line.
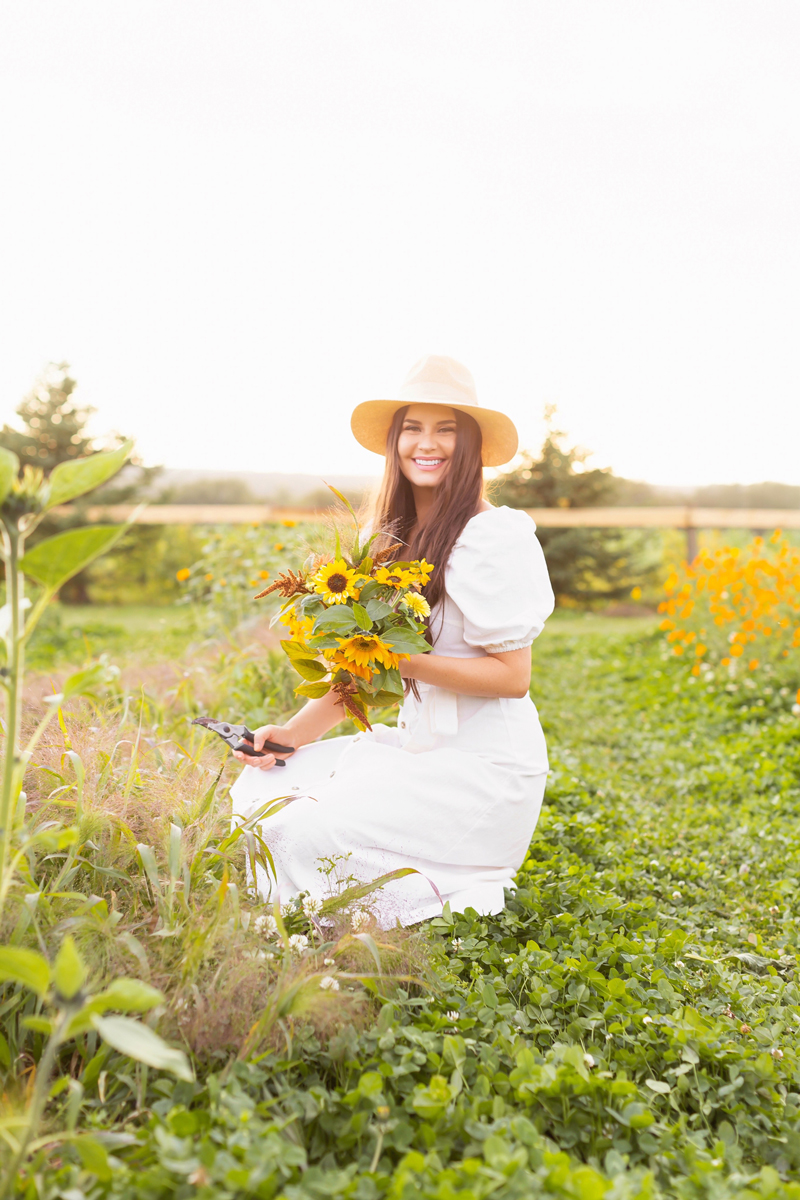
x=455 y=790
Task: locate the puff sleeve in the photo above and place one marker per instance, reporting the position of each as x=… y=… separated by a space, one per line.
x=498 y=578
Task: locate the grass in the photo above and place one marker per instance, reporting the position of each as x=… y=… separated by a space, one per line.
x=628 y=1026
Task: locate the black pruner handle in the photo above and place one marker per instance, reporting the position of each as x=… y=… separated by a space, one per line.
x=246 y=747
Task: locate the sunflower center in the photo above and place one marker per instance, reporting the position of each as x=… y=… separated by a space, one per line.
x=337 y=583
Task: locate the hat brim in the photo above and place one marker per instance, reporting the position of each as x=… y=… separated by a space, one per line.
x=372 y=420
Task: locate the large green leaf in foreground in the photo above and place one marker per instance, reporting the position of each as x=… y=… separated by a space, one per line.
x=81 y=475
x=58 y=558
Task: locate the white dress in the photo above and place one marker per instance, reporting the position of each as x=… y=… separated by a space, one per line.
x=455 y=790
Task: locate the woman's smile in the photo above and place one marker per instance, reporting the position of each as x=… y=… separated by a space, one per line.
x=428 y=464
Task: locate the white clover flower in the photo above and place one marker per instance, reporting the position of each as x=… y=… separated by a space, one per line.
x=328 y=962
x=647 y=1020
x=311 y=906
x=457 y=943
x=452 y=1015
x=655 y=863
x=329 y=984
x=588 y=1061
x=359 y=920
x=676 y=895
x=776 y=1053
x=266 y=925
x=744 y=869
x=298 y=942
x=510 y=959
x=680 y=963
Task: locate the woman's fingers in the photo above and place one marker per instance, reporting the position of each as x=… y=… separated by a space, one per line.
x=249 y=760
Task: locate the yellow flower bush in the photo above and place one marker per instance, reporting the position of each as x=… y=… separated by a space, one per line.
x=733 y=606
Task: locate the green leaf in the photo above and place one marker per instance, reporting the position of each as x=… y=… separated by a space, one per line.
x=38 y=1025
x=378 y=609
x=94 y=1157
x=294 y=649
x=312 y=690
x=309 y=668
x=137 y=1041
x=88 y=682
x=69 y=973
x=381 y=699
x=394 y=683
x=362 y=616
x=27 y=967
x=340 y=617
x=55 y=560
x=9 y=467
x=71 y=479
x=126 y=995
x=405 y=641
x=658 y=1085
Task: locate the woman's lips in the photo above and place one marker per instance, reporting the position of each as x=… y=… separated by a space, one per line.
x=428 y=464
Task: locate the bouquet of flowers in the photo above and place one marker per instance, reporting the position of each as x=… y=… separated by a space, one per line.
x=352 y=618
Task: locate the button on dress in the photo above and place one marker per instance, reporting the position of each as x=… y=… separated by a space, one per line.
x=455 y=790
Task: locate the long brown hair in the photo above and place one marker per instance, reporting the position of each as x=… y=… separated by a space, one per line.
x=458 y=499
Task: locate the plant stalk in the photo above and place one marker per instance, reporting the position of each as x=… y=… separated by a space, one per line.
x=38 y=1101
x=15 y=659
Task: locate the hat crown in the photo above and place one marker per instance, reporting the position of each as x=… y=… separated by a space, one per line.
x=437 y=379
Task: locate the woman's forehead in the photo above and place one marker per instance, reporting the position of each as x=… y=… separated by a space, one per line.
x=432 y=414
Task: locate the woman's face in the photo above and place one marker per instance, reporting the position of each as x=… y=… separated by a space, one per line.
x=427 y=443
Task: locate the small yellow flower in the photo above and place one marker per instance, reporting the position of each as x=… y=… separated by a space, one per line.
x=209 y=577
x=183 y=574
x=336 y=582
x=417 y=604
x=423 y=571
x=289 y=524
x=299 y=627
x=278 y=546
x=263 y=574
x=636 y=593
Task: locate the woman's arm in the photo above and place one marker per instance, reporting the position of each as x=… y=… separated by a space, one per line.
x=507 y=674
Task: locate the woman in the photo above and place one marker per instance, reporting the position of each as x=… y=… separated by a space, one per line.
x=455 y=790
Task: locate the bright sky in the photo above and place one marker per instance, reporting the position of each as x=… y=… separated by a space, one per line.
x=236 y=220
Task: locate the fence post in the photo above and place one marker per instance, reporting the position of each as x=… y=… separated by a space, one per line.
x=691 y=536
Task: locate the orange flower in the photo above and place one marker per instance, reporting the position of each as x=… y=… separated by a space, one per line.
x=183 y=574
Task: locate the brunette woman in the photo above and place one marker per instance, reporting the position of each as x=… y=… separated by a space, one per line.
x=455 y=789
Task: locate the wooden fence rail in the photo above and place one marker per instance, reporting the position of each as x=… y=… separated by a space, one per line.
x=684 y=517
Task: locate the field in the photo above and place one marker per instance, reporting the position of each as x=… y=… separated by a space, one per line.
x=628 y=1026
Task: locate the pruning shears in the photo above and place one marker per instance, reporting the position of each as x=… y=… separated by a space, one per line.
x=239 y=737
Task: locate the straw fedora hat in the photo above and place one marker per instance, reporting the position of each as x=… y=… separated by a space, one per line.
x=437 y=379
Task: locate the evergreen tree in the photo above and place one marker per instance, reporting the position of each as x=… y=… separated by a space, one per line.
x=586 y=565
x=53 y=424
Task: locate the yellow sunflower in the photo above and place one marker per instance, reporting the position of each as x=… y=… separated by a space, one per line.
x=423 y=570
x=299 y=627
x=417 y=604
x=396 y=577
x=365 y=648
x=337 y=659
x=336 y=582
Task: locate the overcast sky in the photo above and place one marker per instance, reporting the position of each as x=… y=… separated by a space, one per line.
x=238 y=219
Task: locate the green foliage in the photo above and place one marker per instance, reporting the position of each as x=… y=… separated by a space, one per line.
x=586 y=566
x=626 y=1027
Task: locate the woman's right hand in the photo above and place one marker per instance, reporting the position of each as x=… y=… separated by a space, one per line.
x=272 y=733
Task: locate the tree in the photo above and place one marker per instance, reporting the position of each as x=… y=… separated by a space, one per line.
x=54 y=431
x=586 y=565
x=53 y=424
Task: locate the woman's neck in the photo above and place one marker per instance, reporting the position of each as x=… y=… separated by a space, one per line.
x=425 y=503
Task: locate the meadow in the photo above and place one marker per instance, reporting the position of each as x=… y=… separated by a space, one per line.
x=627 y=1027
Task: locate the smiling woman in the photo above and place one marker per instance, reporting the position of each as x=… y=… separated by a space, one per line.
x=453 y=794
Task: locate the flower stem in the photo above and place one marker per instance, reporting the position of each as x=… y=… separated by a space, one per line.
x=13 y=545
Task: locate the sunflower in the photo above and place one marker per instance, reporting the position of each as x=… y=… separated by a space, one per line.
x=417 y=604
x=336 y=582
x=337 y=659
x=365 y=648
x=396 y=577
x=299 y=627
x=422 y=570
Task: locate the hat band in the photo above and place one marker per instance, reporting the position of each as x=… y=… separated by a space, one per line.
x=434 y=393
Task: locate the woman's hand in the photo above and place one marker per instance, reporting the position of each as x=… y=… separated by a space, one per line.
x=282 y=734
